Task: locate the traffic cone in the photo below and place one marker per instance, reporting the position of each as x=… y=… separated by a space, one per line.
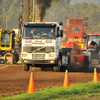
x=66 y=80
x=95 y=76
x=31 y=87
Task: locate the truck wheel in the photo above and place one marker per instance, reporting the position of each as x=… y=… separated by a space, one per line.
x=26 y=67
x=56 y=69
x=2 y=61
x=86 y=63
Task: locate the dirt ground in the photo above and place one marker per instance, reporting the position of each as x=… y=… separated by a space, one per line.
x=14 y=80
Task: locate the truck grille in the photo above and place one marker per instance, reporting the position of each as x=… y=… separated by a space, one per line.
x=38 y=56
x=38 y=49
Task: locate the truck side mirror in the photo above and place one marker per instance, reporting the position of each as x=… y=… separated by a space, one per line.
x=57 y=32
x=61 y=32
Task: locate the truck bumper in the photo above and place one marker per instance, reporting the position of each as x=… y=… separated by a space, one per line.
x=25 y=61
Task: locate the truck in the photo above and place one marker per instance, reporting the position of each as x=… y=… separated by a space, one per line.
x=93 y=46
x=41 y=48
x=74 y=56
x=8 y=43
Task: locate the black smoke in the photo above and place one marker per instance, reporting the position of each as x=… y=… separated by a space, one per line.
x=44 y=5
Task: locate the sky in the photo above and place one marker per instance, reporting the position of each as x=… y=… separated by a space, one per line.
x=88 y=1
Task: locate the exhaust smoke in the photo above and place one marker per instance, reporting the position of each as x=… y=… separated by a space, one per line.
x=44 y=5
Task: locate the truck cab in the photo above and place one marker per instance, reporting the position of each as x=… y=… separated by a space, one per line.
x=75 y=33
x=40 y=45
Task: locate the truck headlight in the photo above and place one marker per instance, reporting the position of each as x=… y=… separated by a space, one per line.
x=24 y=55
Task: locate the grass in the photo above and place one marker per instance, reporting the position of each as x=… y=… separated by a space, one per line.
x=86 y=91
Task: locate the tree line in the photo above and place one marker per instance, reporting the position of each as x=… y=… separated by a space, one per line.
x=9 y=12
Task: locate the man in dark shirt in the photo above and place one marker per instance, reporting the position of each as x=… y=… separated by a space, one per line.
x=51 y=33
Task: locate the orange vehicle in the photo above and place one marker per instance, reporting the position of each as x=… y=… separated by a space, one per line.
x=75 y=56
x=75 y=34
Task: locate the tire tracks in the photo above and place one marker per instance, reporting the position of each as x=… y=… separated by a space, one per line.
x=5 y=66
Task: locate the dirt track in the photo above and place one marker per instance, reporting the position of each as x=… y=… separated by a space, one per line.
x=14 y=80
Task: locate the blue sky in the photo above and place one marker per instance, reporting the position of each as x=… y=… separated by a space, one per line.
x=88 y=1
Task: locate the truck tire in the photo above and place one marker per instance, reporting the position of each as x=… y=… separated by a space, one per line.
x=2 y=61
x=59 y=64
x=86 y=63
x=26 y=67
x=56 y=69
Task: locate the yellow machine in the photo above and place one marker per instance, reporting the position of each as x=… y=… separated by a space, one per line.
x=8 y=53
x=10 y=44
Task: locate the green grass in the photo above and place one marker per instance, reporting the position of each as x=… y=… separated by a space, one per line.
x=87 y=91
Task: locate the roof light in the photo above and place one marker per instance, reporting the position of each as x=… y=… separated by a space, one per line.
x=86 y=18
x=66 y=17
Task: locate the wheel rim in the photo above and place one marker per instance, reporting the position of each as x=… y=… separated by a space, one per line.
x=2 y=61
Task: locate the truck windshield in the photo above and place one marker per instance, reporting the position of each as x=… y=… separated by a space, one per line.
x=5 y=39
x=39 y=32
x=75 y=29
x=94 y=38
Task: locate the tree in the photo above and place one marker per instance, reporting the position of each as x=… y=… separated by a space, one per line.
x=9 y=12
x=9 y=9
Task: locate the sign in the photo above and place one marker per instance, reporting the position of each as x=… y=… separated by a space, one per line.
x=48 y=41
x=75 y=40
x=76 y=21
x=28 y=41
